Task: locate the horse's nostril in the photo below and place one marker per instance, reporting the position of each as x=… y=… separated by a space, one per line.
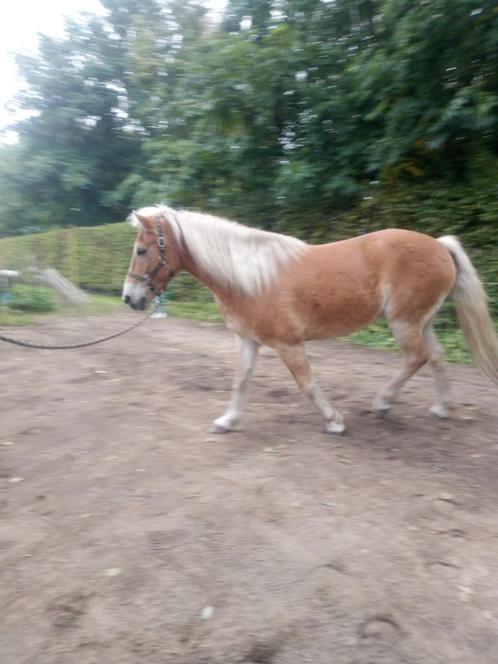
x=143 y=302
x=127 y=299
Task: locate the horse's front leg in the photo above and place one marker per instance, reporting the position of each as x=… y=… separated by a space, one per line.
x=294 y=357
x=246 y=358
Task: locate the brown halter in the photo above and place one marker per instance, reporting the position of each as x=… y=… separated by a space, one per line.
x=148 y=278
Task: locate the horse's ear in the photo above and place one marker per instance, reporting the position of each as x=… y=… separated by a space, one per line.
x=141 y=221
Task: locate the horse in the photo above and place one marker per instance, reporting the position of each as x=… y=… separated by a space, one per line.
x=279 y=291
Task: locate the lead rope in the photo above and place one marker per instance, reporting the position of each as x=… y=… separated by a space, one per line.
x=28 y=344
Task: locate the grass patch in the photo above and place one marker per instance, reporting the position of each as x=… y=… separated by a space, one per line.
x=99 y=304
x=209 y=311
x=378 y=335
x=194 y=310
x=10 y=317
x=105 y=304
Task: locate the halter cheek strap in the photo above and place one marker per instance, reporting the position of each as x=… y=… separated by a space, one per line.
x=148 y=278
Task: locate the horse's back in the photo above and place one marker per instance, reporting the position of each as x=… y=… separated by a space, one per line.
x=336 y=288
x=392 y=255
x=388 y=240
x=342 y=286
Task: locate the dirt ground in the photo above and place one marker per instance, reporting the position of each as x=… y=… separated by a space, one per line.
x=128 y=534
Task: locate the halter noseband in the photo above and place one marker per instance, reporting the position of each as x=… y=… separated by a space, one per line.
x=148 y=278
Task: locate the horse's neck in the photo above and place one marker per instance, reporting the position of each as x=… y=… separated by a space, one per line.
x=190 y=266
x=244 y=263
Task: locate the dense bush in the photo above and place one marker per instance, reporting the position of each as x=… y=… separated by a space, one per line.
x=32 y=298
x=97 y=258
x=282 y=114
x=318 y=119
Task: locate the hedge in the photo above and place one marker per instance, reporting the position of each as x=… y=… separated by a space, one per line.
x=97 y=258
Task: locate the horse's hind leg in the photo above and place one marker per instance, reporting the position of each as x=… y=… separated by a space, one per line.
x=412 y=342
x=246 y=358
x=436 y=359
x=294 y=357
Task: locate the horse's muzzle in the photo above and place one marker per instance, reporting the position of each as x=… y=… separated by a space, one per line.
x=141 y=304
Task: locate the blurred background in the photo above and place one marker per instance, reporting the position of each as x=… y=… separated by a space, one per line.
x=318 y=118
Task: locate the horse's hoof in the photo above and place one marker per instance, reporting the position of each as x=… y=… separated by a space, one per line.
x=217 y=428
x=440 y=411
x=381 y=409
x=335 y=428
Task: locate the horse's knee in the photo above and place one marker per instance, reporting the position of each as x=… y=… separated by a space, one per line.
x=437 y=359
x=416 y=362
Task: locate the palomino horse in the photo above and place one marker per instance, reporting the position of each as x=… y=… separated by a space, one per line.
x=276 y=290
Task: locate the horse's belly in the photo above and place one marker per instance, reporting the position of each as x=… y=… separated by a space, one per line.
x=335 y=314
x=296 y=314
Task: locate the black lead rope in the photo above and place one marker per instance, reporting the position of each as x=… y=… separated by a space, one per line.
x=28 y=344
x=147 y=278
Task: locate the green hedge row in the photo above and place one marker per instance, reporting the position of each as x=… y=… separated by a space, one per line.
x=470 y=213
x=97 y=258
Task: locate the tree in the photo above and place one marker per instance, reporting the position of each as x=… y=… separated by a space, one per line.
x=283 y=120
x=76 y=145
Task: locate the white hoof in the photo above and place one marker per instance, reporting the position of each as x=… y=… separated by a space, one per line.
x=380 y=406
x=335 y=427
x=224 y=425
x=216 y=428
x=438 y=410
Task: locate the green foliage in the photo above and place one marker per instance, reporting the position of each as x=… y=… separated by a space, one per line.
x=98 y=304
x=95 y=258
x=319 y=119
x=378 y=335
x=289 y=115
x=32 y=298
x=75 y=143
x=208 y=311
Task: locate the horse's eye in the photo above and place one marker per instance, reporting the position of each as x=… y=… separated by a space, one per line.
x=141 y=251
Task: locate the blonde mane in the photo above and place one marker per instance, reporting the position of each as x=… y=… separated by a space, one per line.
x=236 y=256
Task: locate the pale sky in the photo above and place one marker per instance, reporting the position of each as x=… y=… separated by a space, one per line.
x=22 y=20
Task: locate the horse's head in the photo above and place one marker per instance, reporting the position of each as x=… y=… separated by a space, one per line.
x=154 y=260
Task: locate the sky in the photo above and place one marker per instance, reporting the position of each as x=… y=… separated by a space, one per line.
x=20 y=23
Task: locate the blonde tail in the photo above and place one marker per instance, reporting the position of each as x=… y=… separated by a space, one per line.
x=471 y=303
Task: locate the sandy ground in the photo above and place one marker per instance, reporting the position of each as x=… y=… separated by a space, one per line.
x=128 y=534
